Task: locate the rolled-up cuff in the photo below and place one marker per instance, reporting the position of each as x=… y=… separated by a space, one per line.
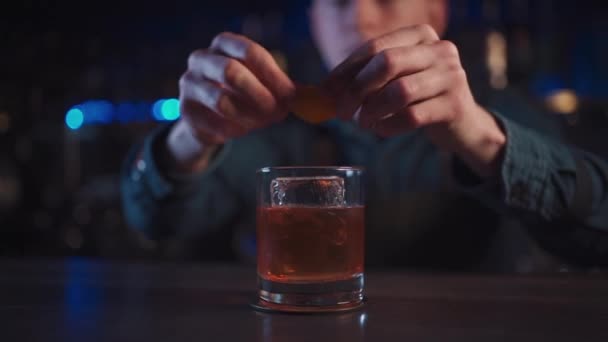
x=530 y=173
x=146 y=169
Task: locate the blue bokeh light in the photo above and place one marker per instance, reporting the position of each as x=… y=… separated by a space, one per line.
x=74 y=118
x=97 y=111
x=157 y=109
x=103 y=112
x=170 y=109
x=125 y=112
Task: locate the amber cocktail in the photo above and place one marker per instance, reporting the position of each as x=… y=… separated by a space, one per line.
x=310 y=238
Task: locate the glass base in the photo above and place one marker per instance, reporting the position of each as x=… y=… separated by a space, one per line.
x=332 y=296
x=264 y=306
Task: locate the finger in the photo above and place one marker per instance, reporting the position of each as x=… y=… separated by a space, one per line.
x=233 y=74
x=219 y=101
x=408 y=90
x=208 y=126
x=419 y=115
x=381 y=69
x=397 y=62
x=258 y=60
x=409 y=36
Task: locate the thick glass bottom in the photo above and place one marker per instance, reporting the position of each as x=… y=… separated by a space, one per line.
x=327 y=296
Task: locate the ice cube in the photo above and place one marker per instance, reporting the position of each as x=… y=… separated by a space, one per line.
x=309 y=191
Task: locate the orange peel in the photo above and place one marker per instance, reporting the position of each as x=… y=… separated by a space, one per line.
x=312 y=105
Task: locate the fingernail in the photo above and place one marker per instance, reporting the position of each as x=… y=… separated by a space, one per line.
x=362 y=121
x=357 y=116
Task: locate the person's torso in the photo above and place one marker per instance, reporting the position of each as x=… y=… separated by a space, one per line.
x=414 y=217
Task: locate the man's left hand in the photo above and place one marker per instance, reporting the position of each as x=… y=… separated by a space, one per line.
x=410 y=79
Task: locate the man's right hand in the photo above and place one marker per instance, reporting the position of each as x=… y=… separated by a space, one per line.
x=229 y=89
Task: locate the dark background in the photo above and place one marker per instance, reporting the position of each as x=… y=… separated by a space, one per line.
x=59 y=188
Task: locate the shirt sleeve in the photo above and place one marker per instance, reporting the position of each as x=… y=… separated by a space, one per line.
x=560 y=192
x=158 y=204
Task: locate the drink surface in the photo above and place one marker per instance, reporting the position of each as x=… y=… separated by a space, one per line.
x=310 y=244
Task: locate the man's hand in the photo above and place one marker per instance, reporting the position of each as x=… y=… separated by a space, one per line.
x=228 y=90
x=411 y=79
